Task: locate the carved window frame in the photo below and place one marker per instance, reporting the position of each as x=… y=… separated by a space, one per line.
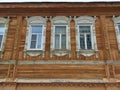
x=86 y=21
x=35 y=20
x=5 y=22
x=116 y=21
x=57 y=21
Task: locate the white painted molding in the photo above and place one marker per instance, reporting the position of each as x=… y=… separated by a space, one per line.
x=26 y=80
x=35 y=20
x=116 y=21
x=86 y=20
x=64 y=62
x=4 y=21
x=60 y=20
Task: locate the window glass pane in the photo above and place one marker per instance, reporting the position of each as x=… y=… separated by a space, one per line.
x=82 y=41
x=2 y=29
x=60 y=29
x=39 y=41
x=36 y=29
x=1 y=36
x=119 y=27
x=63 y=42
x=34 y=37
x=84 y=29
x=57 y=41
x=89 y=46
x=33 y=44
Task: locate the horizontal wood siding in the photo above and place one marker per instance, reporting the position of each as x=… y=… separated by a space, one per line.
x=16 y=38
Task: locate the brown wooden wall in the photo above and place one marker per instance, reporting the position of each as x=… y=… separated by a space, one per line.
x=105 y=35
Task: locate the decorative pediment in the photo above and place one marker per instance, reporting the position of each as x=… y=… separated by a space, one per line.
x=85 y=19
x=36 y=19
x=4 y=20
x=116 y=19
x=60 y=19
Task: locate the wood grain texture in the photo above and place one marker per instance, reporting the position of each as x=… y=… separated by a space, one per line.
x=16 y=36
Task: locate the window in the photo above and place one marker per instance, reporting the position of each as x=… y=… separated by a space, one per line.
x=119 y=27
x=85 y=36
x=85 y=40
x=60 y=36
x=116 y=21
x=3 y=32
x=35 y=40
x=36 y=37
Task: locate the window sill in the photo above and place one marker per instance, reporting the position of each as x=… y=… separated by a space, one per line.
x=87 y=53
x=34 y=52
x=60 y=52
x=1 y=53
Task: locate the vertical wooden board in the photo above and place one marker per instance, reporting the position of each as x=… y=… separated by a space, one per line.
x=113 y=47
x=48 y=40
x=73 y=39
x=117 y=53
x=9 y=44
x=20 y=55
x=47 y=55
x=7 y=55
x=101 y=55
x=22 y=39
x=10 y=35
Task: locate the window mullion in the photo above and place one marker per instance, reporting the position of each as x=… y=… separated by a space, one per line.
x=85 y=40
x=43 y=38
x=79 y=41
x=60 y=41
x=92 y=37
x=36 y=40
x=30 y=38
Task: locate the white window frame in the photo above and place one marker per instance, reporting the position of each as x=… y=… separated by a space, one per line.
x=30 y=35
x=60 y=21
x=5 y=22
x=78 y=38
x=86 y=21
x=37 y=21
x=66 y=35
x=116 y=21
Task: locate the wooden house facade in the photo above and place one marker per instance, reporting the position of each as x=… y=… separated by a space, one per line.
x=70 y=60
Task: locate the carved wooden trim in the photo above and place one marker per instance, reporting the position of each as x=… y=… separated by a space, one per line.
x=116 y=21
x=35 y=20
x=25 y=80
x=60 y=20
x=4 y=21
x=90 y=21
x=59 y=84
x=81 y=62
x=62 y=84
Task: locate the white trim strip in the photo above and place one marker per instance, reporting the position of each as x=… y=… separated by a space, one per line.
x=61 y=80
x=77 y=62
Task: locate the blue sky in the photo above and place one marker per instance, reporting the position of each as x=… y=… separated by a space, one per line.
x=57 y=0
